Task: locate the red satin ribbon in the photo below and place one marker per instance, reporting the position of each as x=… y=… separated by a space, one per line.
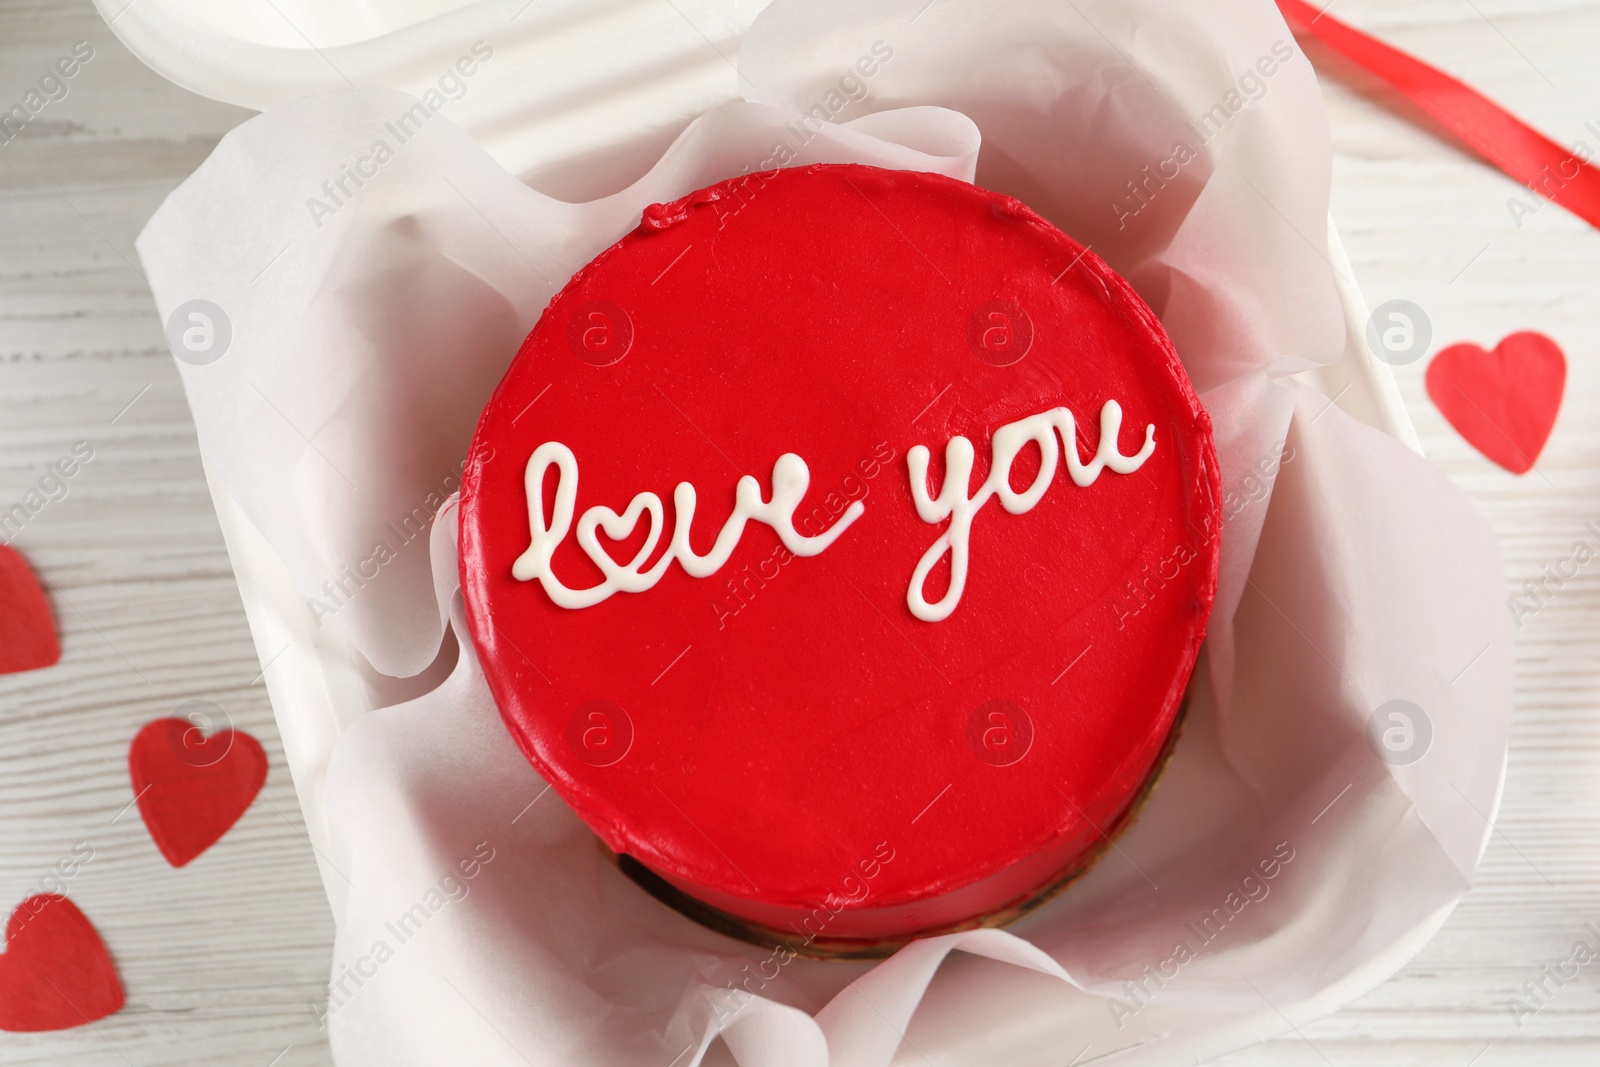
x=1513 y=146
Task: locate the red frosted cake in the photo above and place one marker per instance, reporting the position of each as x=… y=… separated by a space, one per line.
x=839 y=546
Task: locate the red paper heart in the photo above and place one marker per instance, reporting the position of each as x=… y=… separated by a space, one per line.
x=27 y=633
x=55 y=973
x=192 y=788
x=1503 y=402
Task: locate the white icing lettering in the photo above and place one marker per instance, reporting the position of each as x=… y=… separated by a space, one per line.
x=1054 y=432
x=955 y=505
x=790 y=479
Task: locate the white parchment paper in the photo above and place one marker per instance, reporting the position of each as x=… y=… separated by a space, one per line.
x=373 y=297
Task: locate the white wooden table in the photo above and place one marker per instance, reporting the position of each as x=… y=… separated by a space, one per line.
x=222 y=959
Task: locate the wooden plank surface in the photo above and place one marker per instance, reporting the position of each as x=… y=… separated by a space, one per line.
x=222 y=958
